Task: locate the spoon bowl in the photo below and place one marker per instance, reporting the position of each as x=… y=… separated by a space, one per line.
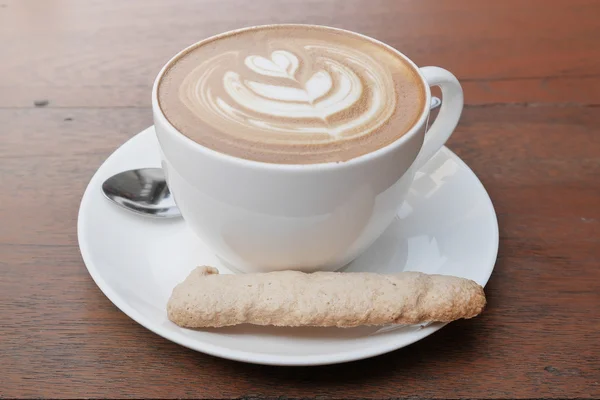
x=143 y=191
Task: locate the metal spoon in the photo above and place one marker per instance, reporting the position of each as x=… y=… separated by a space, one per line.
x=145 y=191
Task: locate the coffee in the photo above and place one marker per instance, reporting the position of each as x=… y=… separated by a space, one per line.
x=291 y=94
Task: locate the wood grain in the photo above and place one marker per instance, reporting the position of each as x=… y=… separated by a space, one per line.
x=531 y=74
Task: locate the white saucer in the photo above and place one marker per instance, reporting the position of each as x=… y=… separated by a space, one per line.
x=447 y=225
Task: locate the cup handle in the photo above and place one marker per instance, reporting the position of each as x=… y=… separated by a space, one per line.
x=447 y=119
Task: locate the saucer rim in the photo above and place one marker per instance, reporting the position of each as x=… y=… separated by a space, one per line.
x=258 y=357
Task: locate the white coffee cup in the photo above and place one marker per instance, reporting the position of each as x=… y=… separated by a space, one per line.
x=264 y=217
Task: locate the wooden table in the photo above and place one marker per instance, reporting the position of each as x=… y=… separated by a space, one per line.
x=75 y=79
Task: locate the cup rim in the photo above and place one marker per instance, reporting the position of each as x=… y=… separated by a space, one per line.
x=254 y=164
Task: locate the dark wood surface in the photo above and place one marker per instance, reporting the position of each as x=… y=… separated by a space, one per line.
x=75 y=79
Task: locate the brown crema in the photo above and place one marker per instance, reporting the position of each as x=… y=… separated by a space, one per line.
x=291 y=94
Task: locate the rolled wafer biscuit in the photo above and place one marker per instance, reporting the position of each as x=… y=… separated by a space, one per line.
x=291 y=298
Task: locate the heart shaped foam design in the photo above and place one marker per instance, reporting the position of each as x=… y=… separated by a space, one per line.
x=282 y=64
x=284 y=101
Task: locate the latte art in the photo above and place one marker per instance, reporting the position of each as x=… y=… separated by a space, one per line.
x=291 y=93
x=339 y=97
x=282 y=64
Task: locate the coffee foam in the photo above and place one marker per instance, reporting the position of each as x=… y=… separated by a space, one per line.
x=291 y=94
